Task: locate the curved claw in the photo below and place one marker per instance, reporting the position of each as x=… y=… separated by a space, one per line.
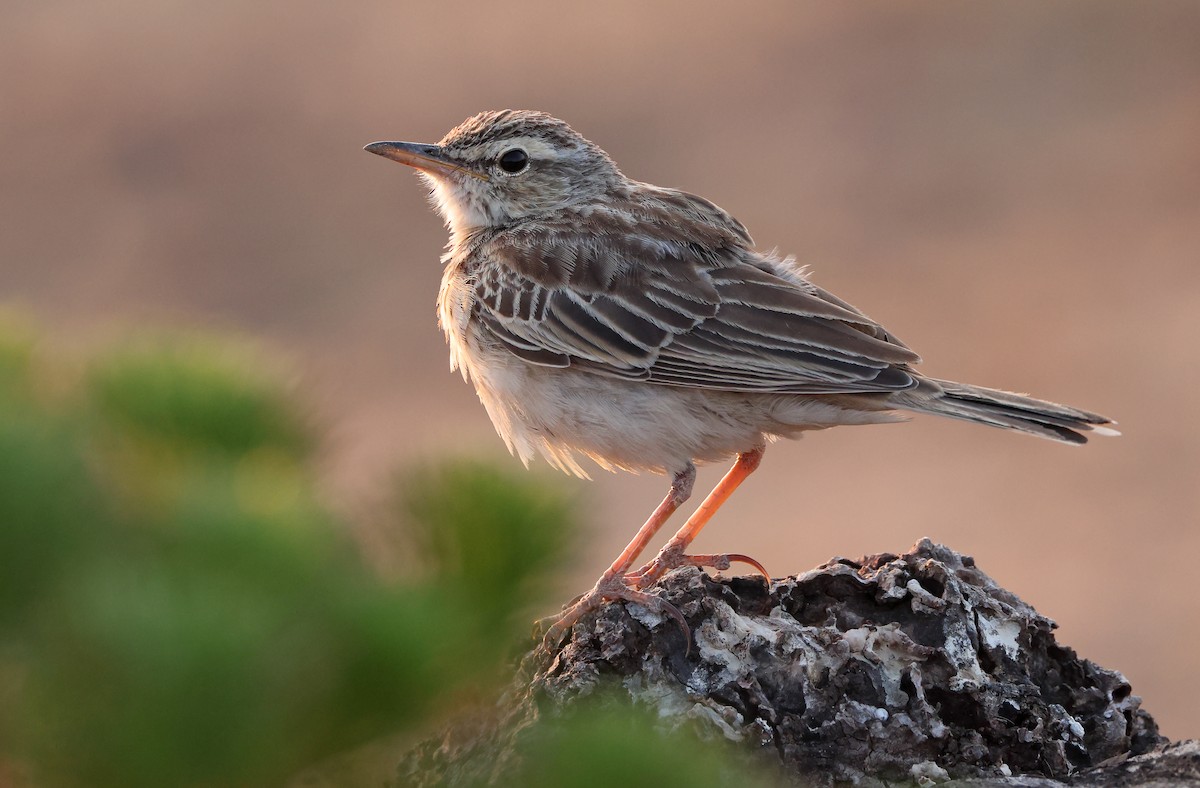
x=663 y=606
x=745 y=559
x=610 y=589
x=664 y=562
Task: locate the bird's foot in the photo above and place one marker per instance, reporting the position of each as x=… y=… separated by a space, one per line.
x=609 y=588
x=673 y=557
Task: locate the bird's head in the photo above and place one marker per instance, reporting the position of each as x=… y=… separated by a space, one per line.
x=503 y=166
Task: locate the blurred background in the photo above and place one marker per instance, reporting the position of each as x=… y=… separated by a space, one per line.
x=1012 y=189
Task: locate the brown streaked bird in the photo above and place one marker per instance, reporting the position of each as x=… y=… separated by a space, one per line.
x=638 y=326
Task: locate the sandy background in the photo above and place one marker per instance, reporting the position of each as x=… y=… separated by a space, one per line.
x=1013 y=189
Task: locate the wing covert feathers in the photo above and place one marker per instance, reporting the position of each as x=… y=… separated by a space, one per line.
x=639 y=300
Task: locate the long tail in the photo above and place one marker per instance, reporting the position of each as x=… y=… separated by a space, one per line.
x=1002 y=409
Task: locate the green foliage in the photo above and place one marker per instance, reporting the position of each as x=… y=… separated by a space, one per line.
x=488 y=533
x=177 y=606
x=17 y=340
x=607 y=742
x=196 y=394
x=49 y=511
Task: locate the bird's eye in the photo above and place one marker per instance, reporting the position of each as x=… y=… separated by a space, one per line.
x=513 y=161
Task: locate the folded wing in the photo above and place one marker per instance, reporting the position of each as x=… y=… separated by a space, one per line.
x=635 y=306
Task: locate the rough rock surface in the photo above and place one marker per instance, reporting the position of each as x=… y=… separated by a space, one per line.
x=914 y=668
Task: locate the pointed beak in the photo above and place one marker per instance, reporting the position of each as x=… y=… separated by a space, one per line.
x=427 y=158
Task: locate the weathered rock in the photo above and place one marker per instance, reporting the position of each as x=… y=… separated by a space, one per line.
x=915 y=668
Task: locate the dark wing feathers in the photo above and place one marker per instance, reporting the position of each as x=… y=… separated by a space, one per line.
x=633 y=324
x=641 y=306
x=608 y=345
x=522 y=348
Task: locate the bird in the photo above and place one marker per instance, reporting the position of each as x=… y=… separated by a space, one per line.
x=636 y=325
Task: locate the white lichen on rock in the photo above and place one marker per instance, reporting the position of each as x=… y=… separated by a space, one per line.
x=866 y=668
x=913 y=668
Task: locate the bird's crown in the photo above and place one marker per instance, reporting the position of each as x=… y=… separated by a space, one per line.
x=502 y=125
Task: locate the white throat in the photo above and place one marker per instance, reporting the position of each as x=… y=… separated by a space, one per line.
x=461 y=209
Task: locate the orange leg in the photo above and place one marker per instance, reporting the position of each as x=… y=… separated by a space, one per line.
x=681 y=490
x=618 y=582
x=672 y=555
x=612 y=584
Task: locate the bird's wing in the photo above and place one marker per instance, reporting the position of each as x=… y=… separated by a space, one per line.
x=636 y=306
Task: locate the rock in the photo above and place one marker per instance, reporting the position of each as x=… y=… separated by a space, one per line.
x=916 y=668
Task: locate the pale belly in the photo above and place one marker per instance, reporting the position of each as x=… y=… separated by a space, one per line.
x=637 y=426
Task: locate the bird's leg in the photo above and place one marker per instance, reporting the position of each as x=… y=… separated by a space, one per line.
x=613 y=583
x=681 y=490
x=672 y=555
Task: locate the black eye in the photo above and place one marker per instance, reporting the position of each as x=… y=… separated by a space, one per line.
x=513 y=161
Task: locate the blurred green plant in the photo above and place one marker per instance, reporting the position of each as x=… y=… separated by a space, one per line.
x=177 y=607
x=604 y=741
x=505 y=563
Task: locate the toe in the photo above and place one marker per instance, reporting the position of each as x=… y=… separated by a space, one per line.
x=606 y=590
x=665 y=562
